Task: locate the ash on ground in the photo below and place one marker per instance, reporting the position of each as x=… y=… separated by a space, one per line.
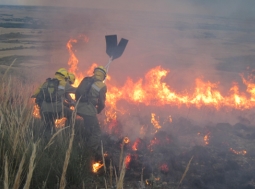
x=221 y=156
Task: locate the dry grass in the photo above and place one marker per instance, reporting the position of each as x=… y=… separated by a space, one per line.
x=116 y=176
x=105 y=184
x=17 y=180
x=121 y=177
x=142 y=181
x=185 y=172
x=121 y=155
x=51 y=141
x=18 y=160
x=6 y=177
x=62 y=184
x=111 y=173
x=102 y=152
x=31 y=168
x=17 y=135
x=68 y=153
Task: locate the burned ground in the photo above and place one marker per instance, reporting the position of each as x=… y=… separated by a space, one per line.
x=225 y=160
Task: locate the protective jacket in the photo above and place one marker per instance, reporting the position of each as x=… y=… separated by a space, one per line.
x=63 y=88
x=96 y=97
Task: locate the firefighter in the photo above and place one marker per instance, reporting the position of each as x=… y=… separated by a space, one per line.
x=51 y=96
x=71 y=78
x=68 y=99
x=90 y=97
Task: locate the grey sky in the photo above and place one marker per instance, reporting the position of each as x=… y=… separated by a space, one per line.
x=161 y=5
x=226 y=8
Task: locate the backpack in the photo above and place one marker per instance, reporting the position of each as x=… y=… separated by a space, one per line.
x=83 y=89
x=50 y=92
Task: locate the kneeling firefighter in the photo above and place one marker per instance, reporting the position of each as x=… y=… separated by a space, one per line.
x=51 y=97
x=90 y=97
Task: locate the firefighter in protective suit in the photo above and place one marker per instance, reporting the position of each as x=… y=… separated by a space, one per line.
x=68 y=99
x=55 y=109
x=90 y=98
x=71 y=78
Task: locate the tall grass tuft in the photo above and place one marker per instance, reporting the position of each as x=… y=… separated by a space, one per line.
x=62 y=184
x=121 y=155
x=30 y=168
x=15 y=130
x=111 y=173
x=185 y=172
x=18 y=175
x=51 y=141
x=6 y=178
x=122 y=175
x=102 y=153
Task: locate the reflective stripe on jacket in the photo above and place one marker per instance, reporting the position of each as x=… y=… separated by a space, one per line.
x=96 y=99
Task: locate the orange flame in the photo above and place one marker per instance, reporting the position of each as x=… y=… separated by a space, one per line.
x=152 y=91
x=127 y=160
x=126 y=140
x=206 y=138
x=135 y=145
x=157 y=178
x=96 y=166
x=73 y=60
x=59 y=123
x=155 y=122
x=242 y=152
x=36 y=112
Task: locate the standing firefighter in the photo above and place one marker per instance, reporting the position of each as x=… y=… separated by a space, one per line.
x=68 y=99
x=50 y=99
x=90 y=96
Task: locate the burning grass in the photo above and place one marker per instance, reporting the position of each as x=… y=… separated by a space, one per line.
x=159 y=159
x=149 y=150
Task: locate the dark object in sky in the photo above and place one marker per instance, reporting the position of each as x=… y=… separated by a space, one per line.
x=113 y=49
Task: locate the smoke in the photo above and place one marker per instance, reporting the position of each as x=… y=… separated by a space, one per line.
x=190 y=38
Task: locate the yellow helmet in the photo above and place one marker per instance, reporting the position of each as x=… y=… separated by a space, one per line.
x=101 y=69
x=71 y=78
x=63 y=72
